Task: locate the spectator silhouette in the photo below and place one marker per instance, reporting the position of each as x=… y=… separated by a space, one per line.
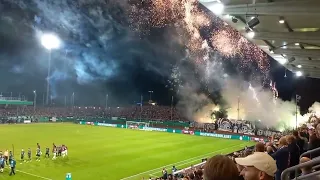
x=282 y=157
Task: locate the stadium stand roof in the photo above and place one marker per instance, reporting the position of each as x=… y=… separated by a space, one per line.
x=14 y=101
x=288 y=30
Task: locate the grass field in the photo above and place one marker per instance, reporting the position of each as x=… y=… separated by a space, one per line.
x=106 y=153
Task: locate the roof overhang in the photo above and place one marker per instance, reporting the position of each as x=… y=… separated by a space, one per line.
x=295 y=43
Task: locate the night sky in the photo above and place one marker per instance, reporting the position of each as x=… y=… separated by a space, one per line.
x=102 y=54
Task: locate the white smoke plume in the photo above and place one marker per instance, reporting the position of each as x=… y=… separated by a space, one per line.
x=255 y=102
x=258 y=104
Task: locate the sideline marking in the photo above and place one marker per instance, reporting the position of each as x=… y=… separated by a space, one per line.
x=41 y=177
x=186 y=160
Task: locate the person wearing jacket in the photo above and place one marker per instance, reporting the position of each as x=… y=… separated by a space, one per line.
x=282 y=157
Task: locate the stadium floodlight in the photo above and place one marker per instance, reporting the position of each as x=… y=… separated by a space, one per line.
x=34 y=100
x=281 y=20
x=282 y=61
x=217 y=8
x=250 y=34
x=50 y=41
x=299 y=66
x=299 y=73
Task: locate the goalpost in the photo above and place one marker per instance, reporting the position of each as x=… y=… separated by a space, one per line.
x=136 y=124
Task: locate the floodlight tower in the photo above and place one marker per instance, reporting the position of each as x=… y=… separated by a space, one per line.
x=49 y=41
x=34 y=100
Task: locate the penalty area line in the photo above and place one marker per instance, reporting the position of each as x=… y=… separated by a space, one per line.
x=34 y=175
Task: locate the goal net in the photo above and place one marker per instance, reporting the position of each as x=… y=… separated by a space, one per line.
x=136 y=125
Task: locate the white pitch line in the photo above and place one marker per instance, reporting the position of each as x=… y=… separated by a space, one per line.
x=152 y=175
x=186 y=160
x=41 y=177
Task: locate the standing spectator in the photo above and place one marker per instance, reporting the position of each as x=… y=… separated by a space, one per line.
x=220 y=167
x=294 y=151
x=258 y=166
x=299 y=141
x=282 y=157
x=314 y=140
x=305 y=142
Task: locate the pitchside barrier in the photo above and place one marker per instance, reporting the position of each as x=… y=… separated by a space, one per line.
x=170 y=130
x=113 y=120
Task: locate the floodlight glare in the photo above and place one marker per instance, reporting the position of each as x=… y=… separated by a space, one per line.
x=217 y=8
x=50 y=41
x=298 y=73
x=250 y=34
x=282 y=61
x=299 y=66
x=281 y=20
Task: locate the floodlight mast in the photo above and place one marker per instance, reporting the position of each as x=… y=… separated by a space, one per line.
x=49 y=41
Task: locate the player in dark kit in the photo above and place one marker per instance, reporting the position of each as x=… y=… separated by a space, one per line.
x=47 y=152
x=22 y=155
x=2 y=162
x=29 y=154
x=59 y=150
x=10 y=156
x=13 y=167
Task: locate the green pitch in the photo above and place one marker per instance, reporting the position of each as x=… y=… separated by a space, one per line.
x=106 y=153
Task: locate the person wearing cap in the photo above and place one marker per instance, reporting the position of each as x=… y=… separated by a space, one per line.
x=258 y=166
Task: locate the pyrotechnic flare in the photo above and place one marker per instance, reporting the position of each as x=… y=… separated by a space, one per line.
x=254 y=94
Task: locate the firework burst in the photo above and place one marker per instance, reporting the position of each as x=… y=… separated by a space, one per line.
x=187 y=18
x=231 y=43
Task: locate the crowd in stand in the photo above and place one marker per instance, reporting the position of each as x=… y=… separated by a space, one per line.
x=132 y=112
x=266 y=161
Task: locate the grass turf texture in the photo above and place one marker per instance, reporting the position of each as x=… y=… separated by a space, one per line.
x=106 y=153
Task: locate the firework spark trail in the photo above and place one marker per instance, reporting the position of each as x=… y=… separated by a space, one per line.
x=254 y=94
x=188 y=19
x=231 y=43
x=186 y=15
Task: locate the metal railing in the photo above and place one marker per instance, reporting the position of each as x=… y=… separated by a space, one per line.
x=286 y=173
x=309 y=152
